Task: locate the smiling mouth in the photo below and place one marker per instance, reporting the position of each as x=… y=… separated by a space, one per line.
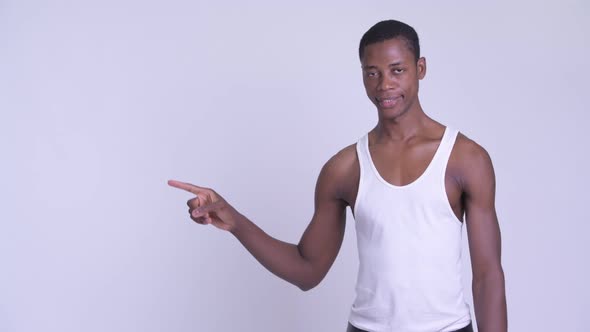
x=387 y=102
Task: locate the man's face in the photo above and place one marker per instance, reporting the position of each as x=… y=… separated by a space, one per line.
x=390 y=75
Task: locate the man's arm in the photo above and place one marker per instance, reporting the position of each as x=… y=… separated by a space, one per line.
x=484 y=239
x=303 y=265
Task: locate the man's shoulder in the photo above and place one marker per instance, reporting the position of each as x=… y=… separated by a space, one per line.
x=467 y=151
x=470 y=163
x=343 y=161
x=341 y=174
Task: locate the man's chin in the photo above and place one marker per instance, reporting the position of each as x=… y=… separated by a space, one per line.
x=390 y=113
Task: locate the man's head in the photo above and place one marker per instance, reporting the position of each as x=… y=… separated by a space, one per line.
x=392 y=67
x=391 y=29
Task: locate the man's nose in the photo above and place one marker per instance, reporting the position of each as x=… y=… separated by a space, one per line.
x=387 y=82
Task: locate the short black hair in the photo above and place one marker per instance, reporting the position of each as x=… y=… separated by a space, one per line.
x=391 y=29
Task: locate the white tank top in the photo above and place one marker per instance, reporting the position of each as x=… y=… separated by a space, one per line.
x=409 y=244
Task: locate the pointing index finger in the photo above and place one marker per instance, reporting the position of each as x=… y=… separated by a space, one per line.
x=185 y=186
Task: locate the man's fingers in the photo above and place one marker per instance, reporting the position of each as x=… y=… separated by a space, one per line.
x=206 y=209
x=200 y=220
x=193 y=203
x=186 y=186
x=199 y=207
x=201 y=192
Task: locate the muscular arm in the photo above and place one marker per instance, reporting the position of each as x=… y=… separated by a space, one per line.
x=304 y=264
x=484 y=240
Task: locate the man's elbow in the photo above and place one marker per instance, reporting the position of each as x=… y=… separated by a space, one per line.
x=311 y=275
x=306 y=287
x=310 y=283
x=494 y=276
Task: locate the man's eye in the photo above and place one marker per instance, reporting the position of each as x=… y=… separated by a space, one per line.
x=398 y=71
x=371 y=74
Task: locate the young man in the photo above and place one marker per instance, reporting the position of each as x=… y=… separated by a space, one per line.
x=409 y=182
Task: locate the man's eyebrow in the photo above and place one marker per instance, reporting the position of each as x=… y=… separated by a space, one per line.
x=369 y=67
x=390 y=65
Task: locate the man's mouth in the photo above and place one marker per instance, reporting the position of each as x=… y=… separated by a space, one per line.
x=387 y=102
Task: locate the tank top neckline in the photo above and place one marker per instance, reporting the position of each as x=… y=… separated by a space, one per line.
x=421 y=176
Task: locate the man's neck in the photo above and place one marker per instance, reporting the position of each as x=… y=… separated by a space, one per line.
x=404 y=127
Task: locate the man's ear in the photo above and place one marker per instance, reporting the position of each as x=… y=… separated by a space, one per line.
x=421 y=67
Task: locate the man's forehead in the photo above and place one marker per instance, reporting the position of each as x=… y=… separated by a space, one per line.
x=394 y=50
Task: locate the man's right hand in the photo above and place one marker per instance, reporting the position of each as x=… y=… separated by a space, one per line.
x=208 y=207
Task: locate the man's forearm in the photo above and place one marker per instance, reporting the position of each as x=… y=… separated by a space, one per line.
x=281 y=258
x=489 y=298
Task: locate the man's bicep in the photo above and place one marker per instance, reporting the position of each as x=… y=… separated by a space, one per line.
x=323 y=237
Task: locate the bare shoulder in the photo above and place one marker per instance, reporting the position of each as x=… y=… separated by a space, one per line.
x=341 y=172
x=470 y=162
x=343 y=159
x=469 y=151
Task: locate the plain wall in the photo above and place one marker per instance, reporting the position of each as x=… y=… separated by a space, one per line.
x=101 y=102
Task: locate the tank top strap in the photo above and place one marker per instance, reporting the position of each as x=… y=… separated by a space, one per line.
x=363 y=155
x=444 y=150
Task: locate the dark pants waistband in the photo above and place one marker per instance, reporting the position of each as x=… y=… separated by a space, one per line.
x=351 y=328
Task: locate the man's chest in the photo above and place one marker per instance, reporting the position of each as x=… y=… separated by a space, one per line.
x=401 y=166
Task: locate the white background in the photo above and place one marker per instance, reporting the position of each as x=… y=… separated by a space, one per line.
x=101 y=102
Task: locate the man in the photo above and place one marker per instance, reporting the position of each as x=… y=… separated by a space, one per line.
x=409 y=182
